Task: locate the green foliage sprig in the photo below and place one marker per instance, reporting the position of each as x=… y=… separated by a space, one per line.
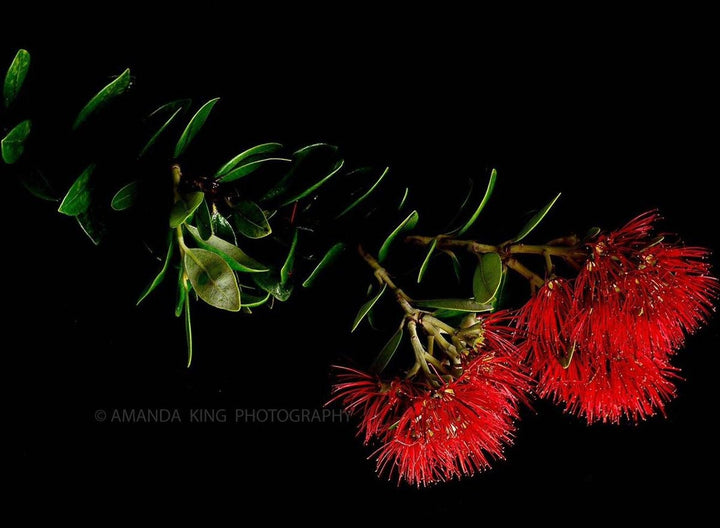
x=266 y=196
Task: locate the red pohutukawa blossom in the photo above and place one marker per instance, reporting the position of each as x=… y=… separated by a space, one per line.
x=458 y=428
x=545 y=319
x=618 y=323
x=379 y=403
x=431 y=433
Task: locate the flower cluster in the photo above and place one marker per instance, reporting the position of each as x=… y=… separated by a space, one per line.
x=435 y=432
x=602 y=343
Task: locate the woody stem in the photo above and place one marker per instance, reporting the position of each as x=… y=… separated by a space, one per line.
x=570 y=251
x=535 y=280
x=384 y=278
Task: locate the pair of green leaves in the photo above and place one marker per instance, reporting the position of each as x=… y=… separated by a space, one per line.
x=248 y=218
x=12 y=145
x=364 y=196
x=212 y=276
x=525 y=231
x=127 y=195
x=78 y=199
x=307 y=162
x=174 y=108
x=235 y=257
x=249 y=161
x=194 y=125
x=465 y=227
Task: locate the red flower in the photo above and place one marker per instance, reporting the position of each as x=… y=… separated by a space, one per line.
x=498 y=332
x=430 y=434
x=379 y=403
x=545 y=320
x=459 y=428
x=633 y=303
x=608 y=387
x=641 y=293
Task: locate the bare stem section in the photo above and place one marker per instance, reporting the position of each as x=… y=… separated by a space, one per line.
x=568 y=249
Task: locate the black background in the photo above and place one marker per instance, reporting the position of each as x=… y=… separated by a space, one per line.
x=617 y=112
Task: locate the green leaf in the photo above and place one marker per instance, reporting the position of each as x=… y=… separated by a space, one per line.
x=371 y=320
x=483 y=202
x=171 y=107
x=90 y=225
x=388 y=351
x=15 y=76
x=183 y=289
x=77 y=199
x=222 y=228
x=203 y=220
x=330 y=256
x=499 y=299
x=591 y=233
x=460 y=210
x=426 y=262
x=193 y=127
x=184 y=208
x=307 y=163
x=407 y=224
x=289 y=264
x=487 y=277
x=249 y=168
x=365 y=308
x=125 y=197
x=161 y=274
x=460 y=305
x=250 y=220
x=188 y=331
x=13 y=145
x=265 y=148
x=212 y=279
x=446 y=313
x=250 y=301
x=302 y=194
x=233 y=255
x=404 y=198
x=364 y=196
x=455 y=264
x=270 y=282
x=153 y=139
x=103 y=97
x=535 y=220
x=34 y=181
